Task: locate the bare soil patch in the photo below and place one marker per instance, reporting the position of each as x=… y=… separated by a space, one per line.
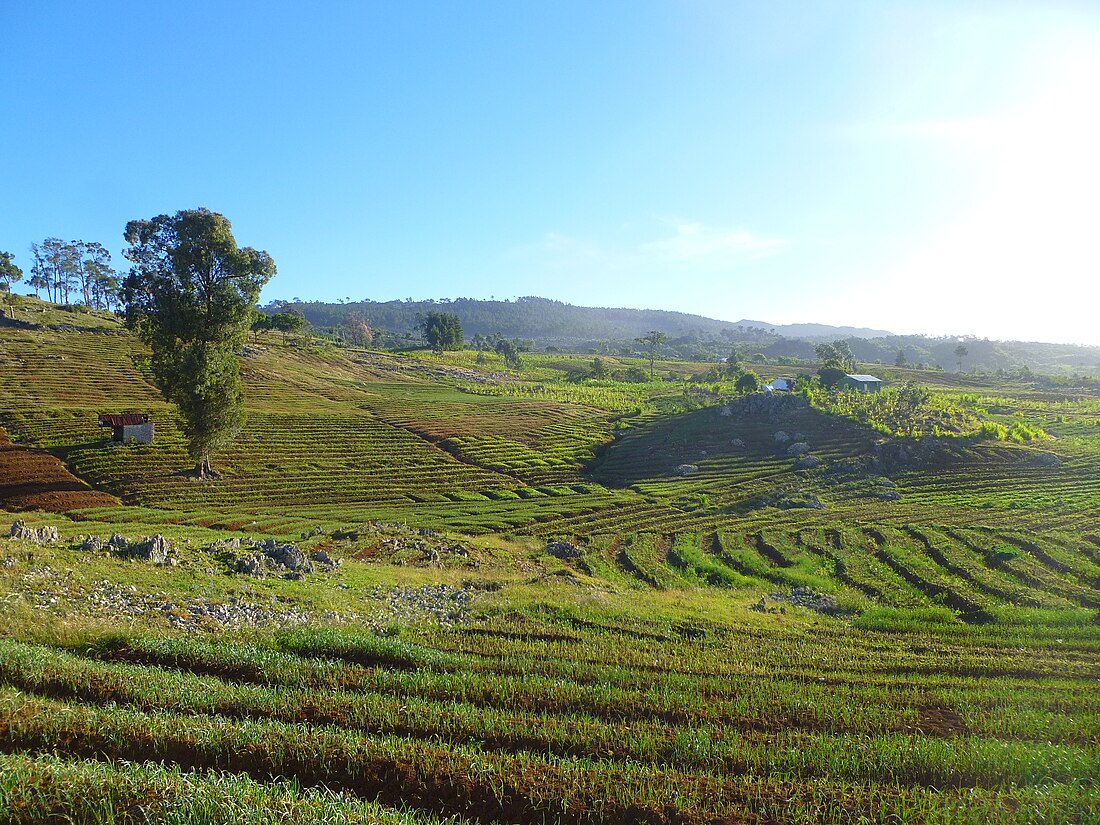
x=33 y=479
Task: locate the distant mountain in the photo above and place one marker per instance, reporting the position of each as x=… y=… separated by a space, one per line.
x=813 y=331
x=546 y=323
x=550 y=322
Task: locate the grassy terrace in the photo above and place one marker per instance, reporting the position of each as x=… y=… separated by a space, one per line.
x=951 y=677
x=551 y=714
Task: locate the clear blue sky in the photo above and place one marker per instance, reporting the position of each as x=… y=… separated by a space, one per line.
x=917 y=166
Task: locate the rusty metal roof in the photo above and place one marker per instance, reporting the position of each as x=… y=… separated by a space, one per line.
x=122 y=419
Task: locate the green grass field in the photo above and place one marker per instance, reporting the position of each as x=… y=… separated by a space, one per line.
x=939 y=665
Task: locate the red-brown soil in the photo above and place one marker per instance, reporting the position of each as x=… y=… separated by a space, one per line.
x=35 y=480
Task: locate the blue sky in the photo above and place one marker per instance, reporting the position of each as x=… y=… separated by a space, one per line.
x=915 y=166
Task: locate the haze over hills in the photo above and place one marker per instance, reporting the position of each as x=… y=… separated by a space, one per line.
x=547 y=323
x=816 y=330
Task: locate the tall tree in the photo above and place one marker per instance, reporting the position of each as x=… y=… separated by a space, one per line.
x=62 y=260
x=190 y=296
x=442 y=331
x=9 y=272
x=95 y=273
x=509 y=351
x=288 y=322
x=960 y=353
x=837 y=355
x=748 y=381
x=653 y=340
x=357 y=329
x=39 y=279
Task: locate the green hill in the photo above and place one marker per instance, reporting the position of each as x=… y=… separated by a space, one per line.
x=547 y=323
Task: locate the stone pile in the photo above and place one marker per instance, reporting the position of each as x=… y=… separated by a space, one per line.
x=37 y=535
x=440 y=603
x=803 y=596
x=269 y=557
x=155 y=549
x=563 y=550
x=807 y=462
x=773 y=406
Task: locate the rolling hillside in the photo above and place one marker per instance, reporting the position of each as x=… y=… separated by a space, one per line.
x=515 y=597
x=342 y=436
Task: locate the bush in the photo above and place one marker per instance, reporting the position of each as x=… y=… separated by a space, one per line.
x=632 y=375
x=992 y=431
x=748 y=382
x=1022 y=431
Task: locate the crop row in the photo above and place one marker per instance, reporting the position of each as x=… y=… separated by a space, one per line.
x=581 y=720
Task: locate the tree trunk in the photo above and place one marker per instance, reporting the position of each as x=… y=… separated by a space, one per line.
x=203 y=469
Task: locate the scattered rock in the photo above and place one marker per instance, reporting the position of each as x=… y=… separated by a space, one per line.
x=807 y=462
x=563 y=550
x=1044 y=459
x=288 y=556
x=273 y=558
x=807 y=597
x=440 y=603
x=250 y=565
x=781 y=437
x=37 y=535
x=798 y=448
x=738 y=442
x=808 y=502
x=154 y=550
x=686 y=470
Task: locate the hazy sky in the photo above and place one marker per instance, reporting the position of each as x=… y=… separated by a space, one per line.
x=915 y=166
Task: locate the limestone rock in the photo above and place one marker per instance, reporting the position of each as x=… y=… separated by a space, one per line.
x=564 y=550
x=807 y=462
x=38 y=535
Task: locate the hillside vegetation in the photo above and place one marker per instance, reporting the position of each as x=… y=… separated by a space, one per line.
x=522 y=596
x=545 y=323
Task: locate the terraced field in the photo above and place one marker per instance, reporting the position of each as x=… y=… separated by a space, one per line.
x=561 y=719
x=672 y=615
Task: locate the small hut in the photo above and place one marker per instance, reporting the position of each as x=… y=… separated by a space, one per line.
x=128 y=428
x=863 y=383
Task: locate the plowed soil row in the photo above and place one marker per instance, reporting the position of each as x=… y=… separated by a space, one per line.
x=33 y=479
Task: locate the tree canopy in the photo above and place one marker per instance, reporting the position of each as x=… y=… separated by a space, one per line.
x=748 y=381
x=653 y=340
x=442 y=331
x=190 y=296
x=9 y=272
x=63 y=267
x=837 y=355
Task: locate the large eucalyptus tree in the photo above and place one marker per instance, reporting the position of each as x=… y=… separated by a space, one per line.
x=190 y=296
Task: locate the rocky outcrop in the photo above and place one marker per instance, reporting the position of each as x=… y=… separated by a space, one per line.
x=271 y=558
x=563 y=550
x=36 y=535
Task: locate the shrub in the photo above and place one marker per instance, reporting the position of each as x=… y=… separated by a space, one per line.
x=1022 y=431
x=992 y=431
